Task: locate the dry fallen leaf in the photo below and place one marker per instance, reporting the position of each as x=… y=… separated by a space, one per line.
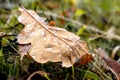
x=49 y=43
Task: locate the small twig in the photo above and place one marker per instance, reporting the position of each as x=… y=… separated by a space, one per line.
x=42 y=73
x=91 y=39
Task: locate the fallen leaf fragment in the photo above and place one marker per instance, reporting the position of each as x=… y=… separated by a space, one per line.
x=111 y=63
x=102 y=53
x=23 y=49
x=49 y=43
x=114 y=51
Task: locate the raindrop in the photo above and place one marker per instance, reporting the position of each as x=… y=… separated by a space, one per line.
x=29 y=27
x=49 y=48
x=54 y=40
x=34 y=33
x=33 y=56
x=45 y=39
x=47 y=28
x=20 y=19
x=36 y=17
x=55 y=34
x=60 y=55
x=93 y=55
x=64 y=65
x=69 y=47
x=61 y=29
x=42 y=33
x=34 y=23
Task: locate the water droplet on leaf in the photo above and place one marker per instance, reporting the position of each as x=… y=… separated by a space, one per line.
x=60 y=55
x=42 y=33
x=49 y=48
x=33 y=56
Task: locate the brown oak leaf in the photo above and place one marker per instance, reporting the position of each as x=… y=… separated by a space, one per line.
x=49 y=43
